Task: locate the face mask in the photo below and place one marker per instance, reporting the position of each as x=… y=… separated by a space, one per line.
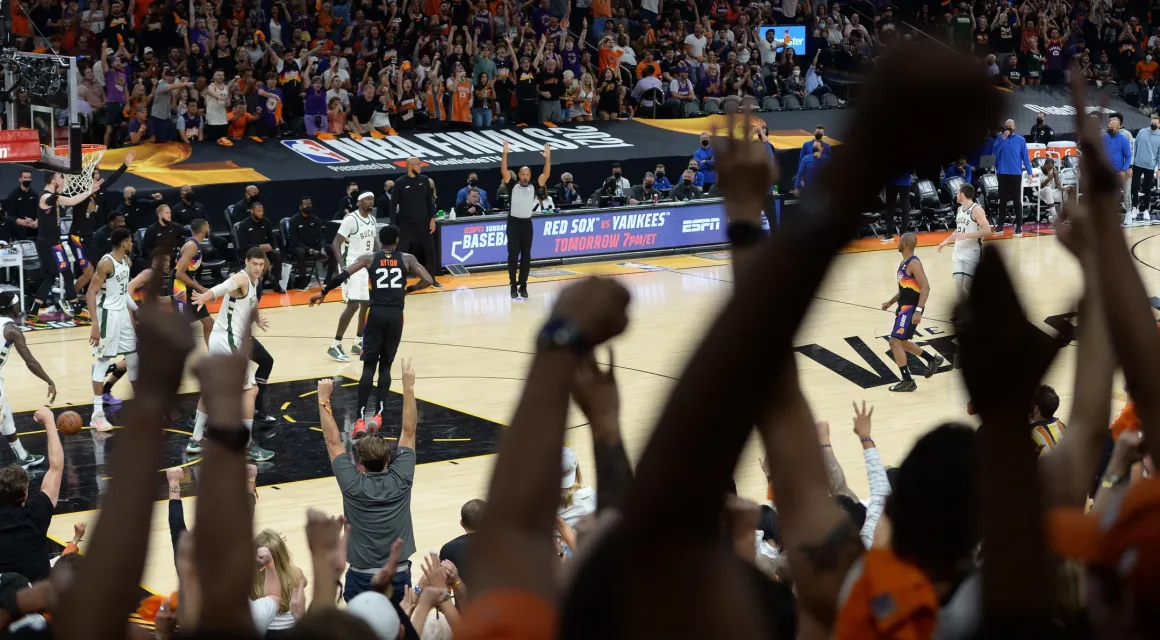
x=704 y=143
x=1111 y=131
x=473 y=182
x=660 y=174
x=26 y=183
x=796 y=72
x=307 y=209
x=616 y=174
x=255 y=198
x=817 y=136
x=688 y=183
x=1039 y=120
x=187 y=196
x=1154 y=126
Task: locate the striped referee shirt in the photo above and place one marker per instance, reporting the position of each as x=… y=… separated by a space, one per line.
x=523 y=199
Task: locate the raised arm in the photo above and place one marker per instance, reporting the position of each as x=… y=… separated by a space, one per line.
x=504 y=174
x=410 y=408
x=547 y=172
x=360 y=263
x=50 y=483
x=596 y=393
x=330 y=431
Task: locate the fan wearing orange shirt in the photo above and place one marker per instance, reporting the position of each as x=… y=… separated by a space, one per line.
x=609 y=57
x=461 y=96
x=601 y=8
x=238 y=119
x=1146 y=68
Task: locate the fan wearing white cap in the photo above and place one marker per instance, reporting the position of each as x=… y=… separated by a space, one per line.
x=357 y=236
x=576 y=500
x=376 y=610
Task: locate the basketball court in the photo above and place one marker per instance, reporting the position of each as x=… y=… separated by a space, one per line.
x=471 y=346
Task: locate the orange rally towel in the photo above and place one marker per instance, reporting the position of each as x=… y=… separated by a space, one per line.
x=891 y=599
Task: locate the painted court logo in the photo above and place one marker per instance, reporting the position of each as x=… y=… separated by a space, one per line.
x=314 y=151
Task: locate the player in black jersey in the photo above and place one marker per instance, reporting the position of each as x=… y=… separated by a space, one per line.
x=50 y=249
x=913 y=289
x=84 y=215
x=387 y=269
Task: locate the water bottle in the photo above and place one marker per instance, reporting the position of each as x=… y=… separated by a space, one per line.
x=776 y=191
x=656 y=198
x=451 y=214
x=439 y=214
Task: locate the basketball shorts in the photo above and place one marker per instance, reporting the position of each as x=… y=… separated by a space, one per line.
x=117 y=335
x=219 y=343
x=70 y=253
x=382 y=333
x=184 y=305
x=357 y=287
x=903 y=323
x=965 y=265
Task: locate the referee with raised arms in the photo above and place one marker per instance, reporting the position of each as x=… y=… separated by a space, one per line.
x=519 y=221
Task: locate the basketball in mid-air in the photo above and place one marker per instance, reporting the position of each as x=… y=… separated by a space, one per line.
x=69 y=423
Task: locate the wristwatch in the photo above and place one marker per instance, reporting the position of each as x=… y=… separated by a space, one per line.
x=918 y=309
x=232 y=438
x=743 y=234
x=559 y=333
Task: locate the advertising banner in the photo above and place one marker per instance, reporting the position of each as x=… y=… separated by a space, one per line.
x=483 y=241
x=792 y=35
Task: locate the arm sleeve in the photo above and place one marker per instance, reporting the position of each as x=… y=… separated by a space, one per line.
x=879 y=491
x=431 y=199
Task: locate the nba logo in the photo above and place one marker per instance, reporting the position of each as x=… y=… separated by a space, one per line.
x=314 y=151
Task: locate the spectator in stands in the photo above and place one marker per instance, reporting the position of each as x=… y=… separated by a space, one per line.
x=304 y=242
x=685 y=190
x=140 y=211
x=567 y=193
x=550 y=86
x=1105 y=72
x=377 y=499
x=473 y=183
x=256 y=231
x=682 y=91
x=1011 y=76
x=457 y=551
x=695 y=44
x=1011 y=161
x=815 y=80
x=1149 y=97
x=648 y=92
x=162 y=234
x=645 y=192
x=1146 y=68
x=662 y=181
x=190 y=126
x=711 y=84
x=1145 y=162
x=26 y=515
x=141 y=128
x=472 y=205
x=621 y=184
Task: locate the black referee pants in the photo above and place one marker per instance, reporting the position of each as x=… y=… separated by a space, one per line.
x=1010 y=188
x=416 y=239
x=519 y=242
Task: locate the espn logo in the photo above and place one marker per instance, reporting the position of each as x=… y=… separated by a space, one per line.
x=700 y=224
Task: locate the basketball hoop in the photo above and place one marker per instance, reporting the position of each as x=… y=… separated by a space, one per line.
x=91 y=154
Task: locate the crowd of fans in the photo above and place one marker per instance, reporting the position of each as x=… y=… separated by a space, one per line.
x=976 y=534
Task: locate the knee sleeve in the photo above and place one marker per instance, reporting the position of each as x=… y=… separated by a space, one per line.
x=101 y=369
x=131 y=362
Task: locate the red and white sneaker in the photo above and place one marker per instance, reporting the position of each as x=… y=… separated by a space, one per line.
x=376 y=423
x=359 y=430
x=101 y=423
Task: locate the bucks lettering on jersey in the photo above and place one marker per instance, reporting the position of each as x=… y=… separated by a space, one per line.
x=115 y=292
x=235 y=313
x=361 y=240
x=388 y=279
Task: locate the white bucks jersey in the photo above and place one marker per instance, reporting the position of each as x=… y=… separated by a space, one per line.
x=360 y=236
x=235 y=313
x=6 y=345
x=114 y=295
x=971 y=248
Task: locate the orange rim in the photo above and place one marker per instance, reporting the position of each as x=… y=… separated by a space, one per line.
x=85 y=149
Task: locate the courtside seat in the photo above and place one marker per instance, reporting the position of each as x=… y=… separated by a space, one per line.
x=770 y=103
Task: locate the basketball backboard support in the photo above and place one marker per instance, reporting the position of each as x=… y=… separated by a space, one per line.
x=41 y=93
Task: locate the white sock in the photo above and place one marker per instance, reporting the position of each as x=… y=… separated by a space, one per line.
x=199 y=425
x=18 y=449
x=99 y=405
x=336 y=343
x=358 y=340
x=249 y=428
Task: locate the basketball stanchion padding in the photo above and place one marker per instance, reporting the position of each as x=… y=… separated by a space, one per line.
x=91 y=155
x=19 y=145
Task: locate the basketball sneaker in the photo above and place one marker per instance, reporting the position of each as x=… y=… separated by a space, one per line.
x=905 y=385
x=193 y=447
x=110 y=399
x=376 y=423
x=101 y=423
x=359 y=430
x=81 y=318
x=437 y=285
x=932 y=365
x=31 y=460
x=337 y=354
x=257 y=454
x=356 y=349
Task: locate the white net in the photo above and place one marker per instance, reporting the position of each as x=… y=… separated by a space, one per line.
x=83 y=181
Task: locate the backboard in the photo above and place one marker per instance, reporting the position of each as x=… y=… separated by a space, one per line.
x=40 y=93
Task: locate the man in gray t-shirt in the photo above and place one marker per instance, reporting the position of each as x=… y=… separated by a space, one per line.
x=376 y=499
x=161 y=111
